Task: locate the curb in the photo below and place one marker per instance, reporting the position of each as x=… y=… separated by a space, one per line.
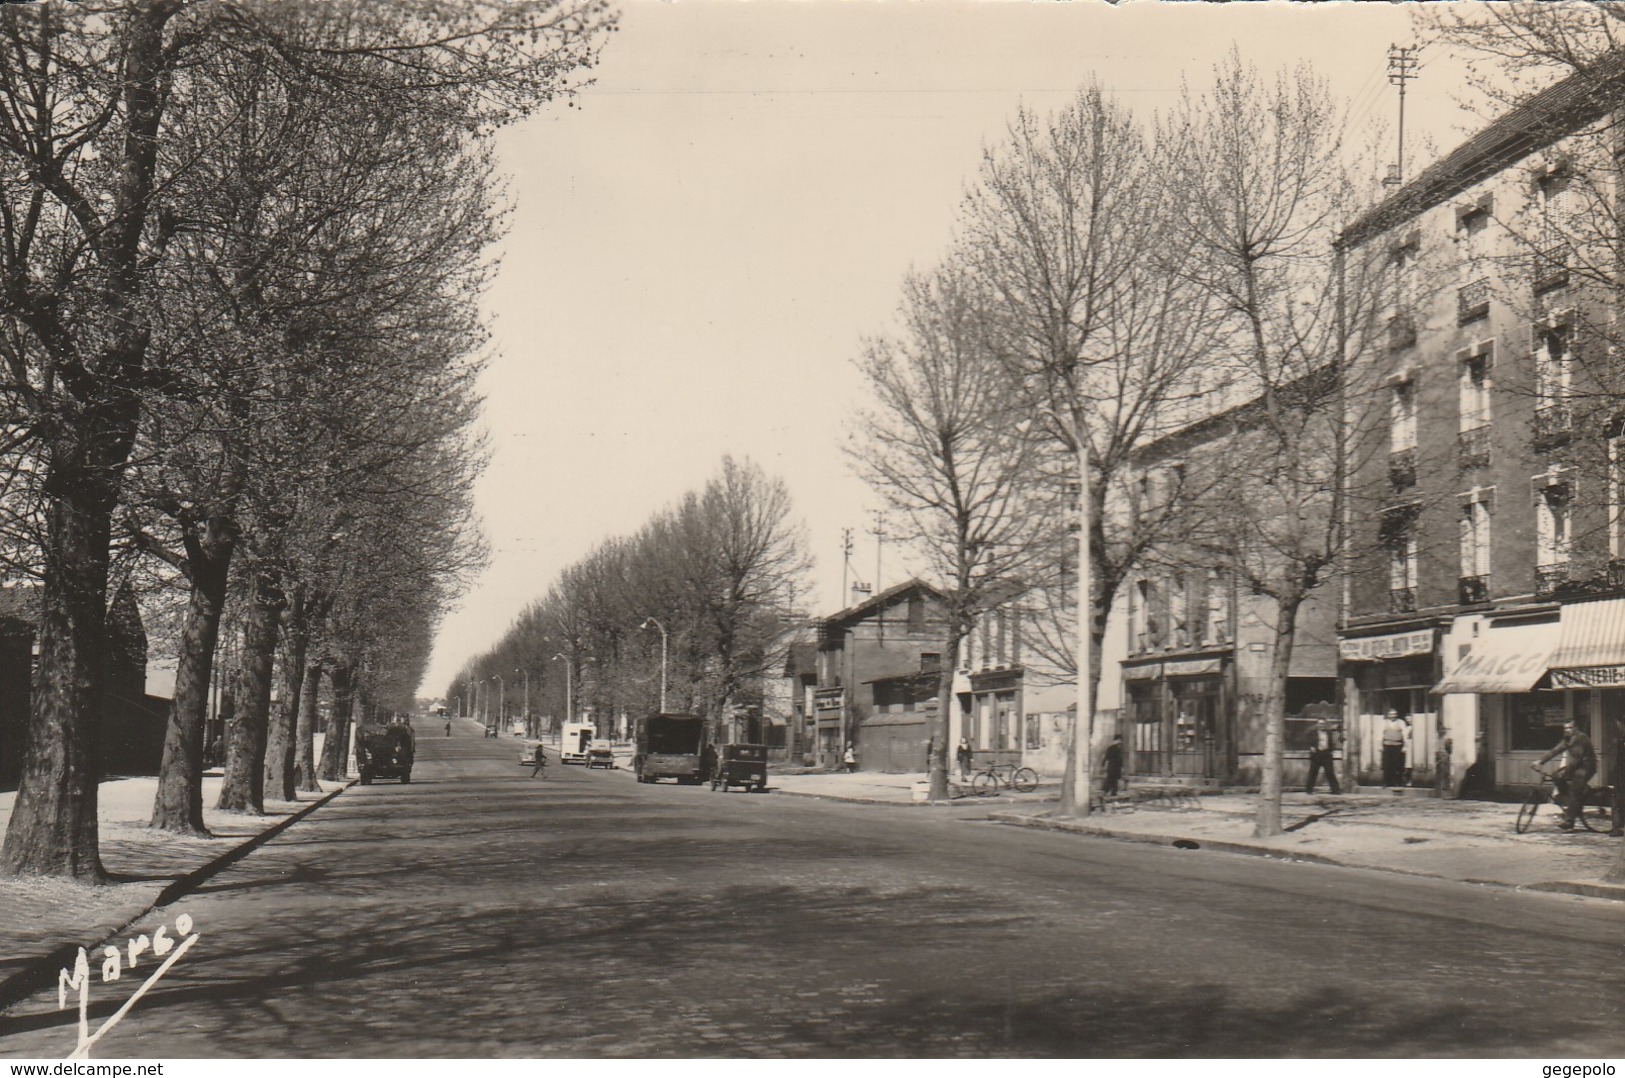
x=41 y=973
x=1584 y=888
x=959 y=802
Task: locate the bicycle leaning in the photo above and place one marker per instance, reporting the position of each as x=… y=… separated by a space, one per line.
x=989 y=780
x=1595 y=815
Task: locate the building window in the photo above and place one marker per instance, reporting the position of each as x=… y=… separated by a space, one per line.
x=916 y=614
x=1402 y=569
x=1402 y=415
x=1475 y=389
x=1475 y=550
x=1218 y=609
x=1552 y=246
x=1554 y=525
x=1554 y=364
x=1616 y=496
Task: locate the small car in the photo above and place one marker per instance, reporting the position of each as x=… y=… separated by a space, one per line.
x=527 y=753
x=600 y=754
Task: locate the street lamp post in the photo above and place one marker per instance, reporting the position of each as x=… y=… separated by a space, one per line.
x=528 y=730
x=656 y=622
x=569 y=714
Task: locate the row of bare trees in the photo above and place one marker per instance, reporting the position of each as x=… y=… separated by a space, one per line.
x=1112 y=281
x=696 y=608
x=241 y=246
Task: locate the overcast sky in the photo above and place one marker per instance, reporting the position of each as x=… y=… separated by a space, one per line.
x=700 y=246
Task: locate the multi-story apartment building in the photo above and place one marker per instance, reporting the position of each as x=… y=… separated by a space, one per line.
x=1486 y=601
x=1187 y=671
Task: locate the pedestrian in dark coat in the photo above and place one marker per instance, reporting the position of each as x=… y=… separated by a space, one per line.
x=962 y=758
x=1114 y=765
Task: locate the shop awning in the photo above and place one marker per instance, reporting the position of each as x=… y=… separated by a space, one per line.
x=1191 y=667
x=1050 y=700
x=1507 y=658
x=1590 y=645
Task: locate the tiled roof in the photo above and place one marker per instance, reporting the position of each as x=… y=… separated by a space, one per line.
x=20 y=602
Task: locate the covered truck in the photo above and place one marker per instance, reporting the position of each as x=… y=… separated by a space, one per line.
x=671 y=746
x=385 y=752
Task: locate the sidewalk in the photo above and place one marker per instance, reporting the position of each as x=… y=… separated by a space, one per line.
x=881 y=788
x=42 y=919
x=1468 y=841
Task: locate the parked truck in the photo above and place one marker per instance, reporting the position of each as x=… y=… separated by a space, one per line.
x=671 y=746
x=574 y=737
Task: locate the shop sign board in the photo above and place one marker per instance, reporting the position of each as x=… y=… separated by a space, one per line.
x=829 y=699
x=1594 y=677
x=1393 y=646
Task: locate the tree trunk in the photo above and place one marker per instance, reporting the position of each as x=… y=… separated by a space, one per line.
x=244 y=787
x=1268 y=820
x=937 y=725
x=342 y=679
x=281 y=744
x=305 y=742
x=53 y=828
x=179 y=803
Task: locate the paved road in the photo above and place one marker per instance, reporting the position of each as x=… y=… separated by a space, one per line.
x=479 y=913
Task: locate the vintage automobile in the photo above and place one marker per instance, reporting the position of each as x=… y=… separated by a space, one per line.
x=740 y=765
x=385 y=752
x=527 y=753
x=600 y=754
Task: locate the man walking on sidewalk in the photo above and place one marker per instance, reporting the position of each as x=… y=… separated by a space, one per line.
x=1320 y=758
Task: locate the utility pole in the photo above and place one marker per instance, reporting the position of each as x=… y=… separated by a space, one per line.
x=879 y=532
x=846 y=567
x=1402 y=67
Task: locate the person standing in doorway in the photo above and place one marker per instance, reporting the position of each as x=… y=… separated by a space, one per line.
x=1321 y=759
x=962 y=759
x=1395 y=732
x=849 y=758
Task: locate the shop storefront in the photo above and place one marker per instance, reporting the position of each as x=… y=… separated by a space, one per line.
x=1396 y=672
x=1175 y=719
x=1504 y=664
x=1589 y=661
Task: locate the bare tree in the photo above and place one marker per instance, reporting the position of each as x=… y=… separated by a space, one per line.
x=947 y=443
x=1067 y=226
x=1263 y=188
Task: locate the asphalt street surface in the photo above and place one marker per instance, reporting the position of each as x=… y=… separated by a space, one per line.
x=478 y=912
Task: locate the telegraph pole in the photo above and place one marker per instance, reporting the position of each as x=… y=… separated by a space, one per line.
x=846 y=566
x=1402 y=67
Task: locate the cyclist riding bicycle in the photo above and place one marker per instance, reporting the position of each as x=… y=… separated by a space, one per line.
x=1573 y=774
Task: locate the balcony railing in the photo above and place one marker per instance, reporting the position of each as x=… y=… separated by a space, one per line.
x=1402 y=469
x=1551 y=268
x=1473 y=448
x=1473 y=301
x=1401 y=332
x=1553 y=423
x=1548 y=578
x=1474 y=589
x=1402 y=600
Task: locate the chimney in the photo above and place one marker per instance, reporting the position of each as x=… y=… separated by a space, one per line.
x=860 y=592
